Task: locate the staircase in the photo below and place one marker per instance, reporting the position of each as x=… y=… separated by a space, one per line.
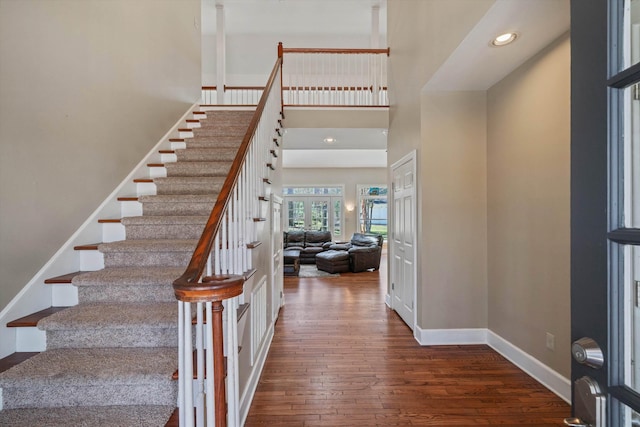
x=110 y=359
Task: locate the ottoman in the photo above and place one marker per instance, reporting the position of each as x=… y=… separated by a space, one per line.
x=333 y=261
x=291 y=262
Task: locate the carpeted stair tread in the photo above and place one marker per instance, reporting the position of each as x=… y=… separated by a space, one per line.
x=236 y=115
x=206 y=154
x=189 y=185
x=150 y=245
x=88 y=416
x=214 y=141
x=197 y=168
x=128 y=284
x=92 y=377
x=178 y=204
x=129 y=276
x=238 y=132
x=90 y=325
x=114 y=316
x=164 y=220
x=93 y=366
x=178 y=198
x=148 y=252
x=164 y=226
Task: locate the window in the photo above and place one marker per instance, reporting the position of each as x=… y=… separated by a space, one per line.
x=372 y=209
x=314 y=208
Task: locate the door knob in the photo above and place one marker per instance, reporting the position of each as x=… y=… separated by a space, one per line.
x=587 y=352
x=575 y=422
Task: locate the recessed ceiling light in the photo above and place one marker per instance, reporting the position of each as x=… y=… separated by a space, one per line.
x=330 y=140
x=504 y=39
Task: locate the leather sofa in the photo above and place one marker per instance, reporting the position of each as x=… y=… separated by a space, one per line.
x=309 y=243
x=364 y=251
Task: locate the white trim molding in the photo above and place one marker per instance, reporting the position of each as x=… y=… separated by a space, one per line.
x=546 y=376
x=552 y=380
x=450 y=336
x=252 y=384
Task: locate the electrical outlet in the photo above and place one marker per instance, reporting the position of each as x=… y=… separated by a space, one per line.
x=551 y=341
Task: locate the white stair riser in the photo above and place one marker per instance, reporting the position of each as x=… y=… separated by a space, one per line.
x=113 y=232
x=193 y=125
x=130 y=209
x=146 y=188
x=30 y=339
x=168 y=158
x=64 y=295
x=184 y=134
x=178 y=145
x=157 y=172
x=91 y=260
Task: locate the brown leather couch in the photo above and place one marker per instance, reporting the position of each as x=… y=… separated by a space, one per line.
x=364 y=251
x=309 y=243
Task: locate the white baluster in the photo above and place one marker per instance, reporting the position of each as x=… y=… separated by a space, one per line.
x=210 y=375
x=186 y=374
x=181 y=368
x=200 y=368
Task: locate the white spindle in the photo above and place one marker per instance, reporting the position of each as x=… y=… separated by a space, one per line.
x=209 y=380
x=186 y=374
x=181 y=367
x=200 y=398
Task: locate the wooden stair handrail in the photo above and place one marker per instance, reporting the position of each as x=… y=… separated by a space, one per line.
x=226 y=88
x=201 y=253
x=333 y=50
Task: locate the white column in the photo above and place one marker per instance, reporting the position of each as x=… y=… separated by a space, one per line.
x=220 y=53
x=375 y=27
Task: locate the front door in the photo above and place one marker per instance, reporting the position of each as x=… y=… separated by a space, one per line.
x=403 y=240
x=605 y=212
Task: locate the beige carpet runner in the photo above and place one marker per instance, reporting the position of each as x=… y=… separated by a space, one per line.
x=110 y=359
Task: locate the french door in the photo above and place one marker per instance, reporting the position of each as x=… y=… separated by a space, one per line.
x=605 y=212
x=309 y=213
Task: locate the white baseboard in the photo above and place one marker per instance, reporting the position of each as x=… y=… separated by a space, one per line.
x=546 y=376
x=252 y=383
x=537 y=370
x=450 y=336
x=387 y=300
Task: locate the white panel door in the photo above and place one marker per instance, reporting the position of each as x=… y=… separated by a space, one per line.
x=277 y=300
x=403 y=250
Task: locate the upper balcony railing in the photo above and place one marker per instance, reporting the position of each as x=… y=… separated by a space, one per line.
x=334 y=77
x=320 y=78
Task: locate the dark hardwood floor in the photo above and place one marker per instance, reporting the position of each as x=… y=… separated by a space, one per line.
x=340 y=357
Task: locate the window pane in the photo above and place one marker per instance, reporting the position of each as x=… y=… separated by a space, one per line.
x=631 y=141
x=630 y=417
x=632 y=317
x=631 y=34
x=295 y=215
x=319 y=215
x=337 y=217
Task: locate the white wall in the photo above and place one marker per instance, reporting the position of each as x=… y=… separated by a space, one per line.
x=453 y=278
x=529 y=247
x=493 y=183
x=86 y=89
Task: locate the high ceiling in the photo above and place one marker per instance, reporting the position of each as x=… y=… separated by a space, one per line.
x=302 y=17
x=472 y=66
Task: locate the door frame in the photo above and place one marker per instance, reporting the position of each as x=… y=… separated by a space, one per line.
x=389 y=298
x=596 y=197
